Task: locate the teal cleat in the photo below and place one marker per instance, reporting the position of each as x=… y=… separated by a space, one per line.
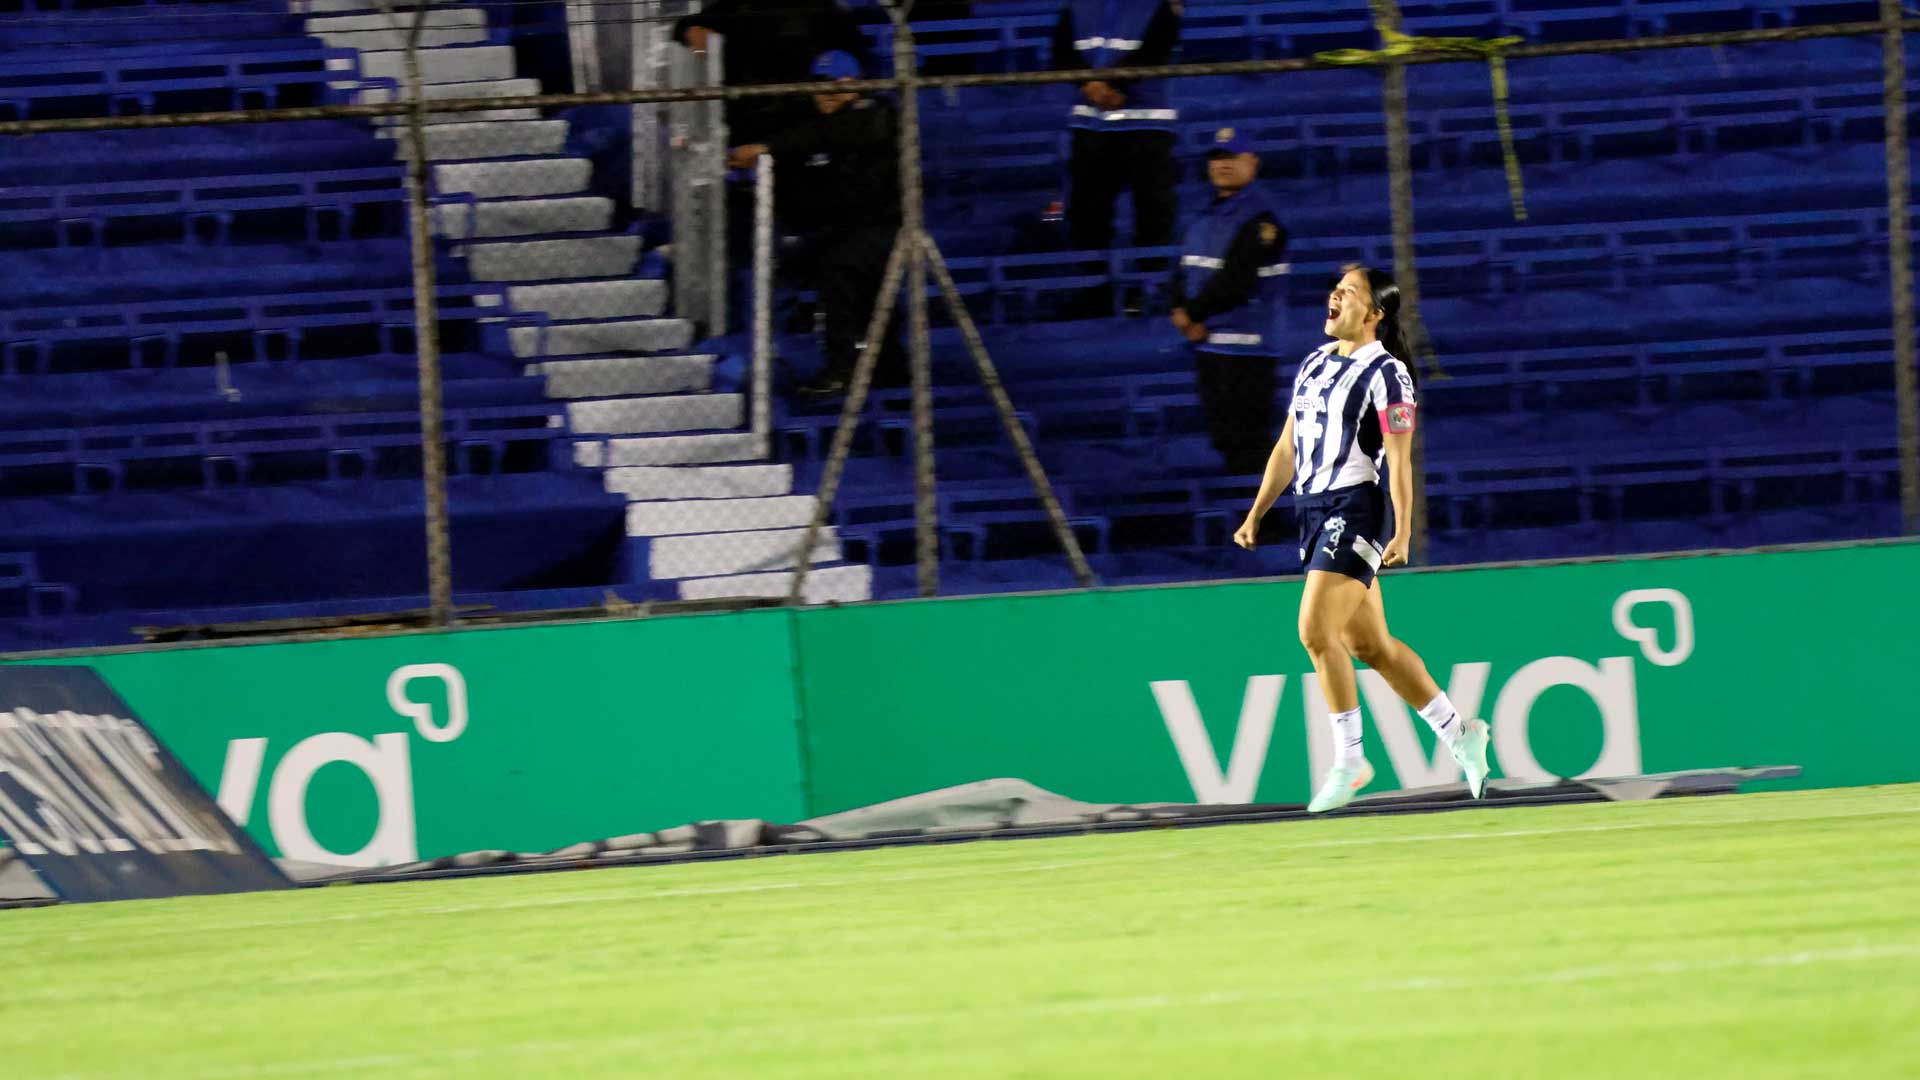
x=1342 y=784
x=1470 y=752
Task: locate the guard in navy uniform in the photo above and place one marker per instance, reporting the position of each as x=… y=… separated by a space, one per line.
x=771 y=41
x=1227 y=295
x=1122 y=129
x=838 y=178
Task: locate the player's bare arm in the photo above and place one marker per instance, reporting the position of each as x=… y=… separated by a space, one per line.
x=1274 y=481
x=1399 y=448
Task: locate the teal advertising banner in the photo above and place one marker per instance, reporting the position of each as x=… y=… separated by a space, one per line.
x=377 y=751
x=380 y=750
x=1204 y=694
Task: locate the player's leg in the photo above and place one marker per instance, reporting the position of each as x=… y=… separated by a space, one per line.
x=1366 y=636
x=1326 y=607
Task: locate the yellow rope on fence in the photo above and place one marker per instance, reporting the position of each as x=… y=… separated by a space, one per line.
x=1397 y=44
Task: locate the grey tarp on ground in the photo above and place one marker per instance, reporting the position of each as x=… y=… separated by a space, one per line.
x=1009 y=807
x=17 y=881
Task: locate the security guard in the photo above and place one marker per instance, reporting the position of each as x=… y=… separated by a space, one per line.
x=1227 y=294
x=1122 y=129
x=770 y=41
x=838 y=177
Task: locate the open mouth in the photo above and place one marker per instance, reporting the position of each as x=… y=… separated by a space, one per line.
x=1333 y=312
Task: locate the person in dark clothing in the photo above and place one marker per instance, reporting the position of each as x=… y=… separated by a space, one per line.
x=771 y=41
x=1123 y=130
x=838 y=184
x=1227 y=293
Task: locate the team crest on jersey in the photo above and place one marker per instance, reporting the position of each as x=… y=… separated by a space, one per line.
x=1269 y=232
x=1399 y=419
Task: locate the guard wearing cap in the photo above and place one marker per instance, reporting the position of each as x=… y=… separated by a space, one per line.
x=838 y=177
x=1227 y=294
x=769 y=41
x=1123 y=129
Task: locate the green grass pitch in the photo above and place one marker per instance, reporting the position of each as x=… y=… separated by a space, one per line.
x=1764 y=935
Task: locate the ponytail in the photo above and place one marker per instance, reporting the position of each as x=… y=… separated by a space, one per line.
x=1386 y=297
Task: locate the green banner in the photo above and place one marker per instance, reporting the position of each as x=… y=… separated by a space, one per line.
x=382 y=750
x=1204 y=693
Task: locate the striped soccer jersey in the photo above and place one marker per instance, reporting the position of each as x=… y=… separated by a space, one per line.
x=1341 y=406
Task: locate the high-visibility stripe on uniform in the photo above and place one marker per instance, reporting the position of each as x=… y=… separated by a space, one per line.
x=1206 y=262
x=1119 y=115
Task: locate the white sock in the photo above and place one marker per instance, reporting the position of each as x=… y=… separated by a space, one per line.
x=1346 y=738
x=1443 y=718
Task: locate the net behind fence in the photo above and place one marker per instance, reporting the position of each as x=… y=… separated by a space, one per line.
x=1653 y=298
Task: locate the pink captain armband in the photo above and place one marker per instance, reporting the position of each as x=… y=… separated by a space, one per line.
x=1397 y=419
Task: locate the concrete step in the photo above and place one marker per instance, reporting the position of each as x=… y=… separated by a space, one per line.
x=445 y=26
x=546 y=260
x=523 y=217
x=712 y=554
x=644 y=415
x=454 y=63
x=606 y=336
x=700 y=482
x=592 y=299
x=468 y=141
x=825 y=585
x=679 y=517
x=712 y=448
x=387 y=123
x=480 y=88
x=608 y=376
x=514 y=179
x=364 y=7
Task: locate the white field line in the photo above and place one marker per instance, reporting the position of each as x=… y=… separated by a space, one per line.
x=120 y=929
x=681 y=1039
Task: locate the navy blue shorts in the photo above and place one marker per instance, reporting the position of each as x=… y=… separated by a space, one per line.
x=1344 y=531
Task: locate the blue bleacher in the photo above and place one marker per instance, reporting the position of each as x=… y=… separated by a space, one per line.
x=206 y=342
x=141 y=79
x=206 y=333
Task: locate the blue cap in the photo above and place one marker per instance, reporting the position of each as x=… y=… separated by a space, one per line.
x=1229 y=141
x=836 y=65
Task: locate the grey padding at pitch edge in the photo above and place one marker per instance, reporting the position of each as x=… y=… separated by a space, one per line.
x=983 y=804
x=17 y=881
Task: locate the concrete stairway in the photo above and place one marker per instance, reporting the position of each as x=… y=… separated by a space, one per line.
x=704 y=512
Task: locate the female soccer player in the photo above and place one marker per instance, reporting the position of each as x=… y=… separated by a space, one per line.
x=1353 y=415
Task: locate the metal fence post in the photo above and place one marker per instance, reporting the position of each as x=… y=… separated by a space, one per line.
x=426 y=322
x=926 y=525
x=652 y=70
x=715 y=166
x=761 y=377
x=698 y=197
x=1406 y=272
x=1900 y=251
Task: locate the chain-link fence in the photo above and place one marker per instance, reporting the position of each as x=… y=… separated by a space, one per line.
x=351 y=313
